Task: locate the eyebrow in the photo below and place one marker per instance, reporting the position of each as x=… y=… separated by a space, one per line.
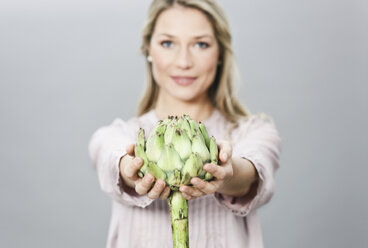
x=196 y=37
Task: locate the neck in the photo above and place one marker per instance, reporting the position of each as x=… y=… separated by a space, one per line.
x=200 y=109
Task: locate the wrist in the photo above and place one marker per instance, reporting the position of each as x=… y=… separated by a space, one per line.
x=244 y=176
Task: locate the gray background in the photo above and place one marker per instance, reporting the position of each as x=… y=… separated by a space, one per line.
x=68 y=67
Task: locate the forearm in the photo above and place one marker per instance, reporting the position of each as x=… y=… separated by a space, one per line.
x=244 y=175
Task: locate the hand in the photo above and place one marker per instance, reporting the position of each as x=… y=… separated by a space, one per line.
x=221 y=173
x=130 y=165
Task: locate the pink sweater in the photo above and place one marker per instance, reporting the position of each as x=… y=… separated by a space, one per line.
x=214 y=220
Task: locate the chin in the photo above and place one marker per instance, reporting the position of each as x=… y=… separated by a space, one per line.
x=185 y=96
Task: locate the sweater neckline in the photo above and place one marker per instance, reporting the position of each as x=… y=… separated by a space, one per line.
x=215 y=113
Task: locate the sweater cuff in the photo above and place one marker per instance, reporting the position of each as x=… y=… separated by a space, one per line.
x=243 y=205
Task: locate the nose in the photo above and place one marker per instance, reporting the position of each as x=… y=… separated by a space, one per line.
x=184 y=58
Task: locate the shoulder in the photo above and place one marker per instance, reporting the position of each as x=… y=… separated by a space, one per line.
x=133 y=124
x=221 y=127
x=255 y=121
x=261 y=124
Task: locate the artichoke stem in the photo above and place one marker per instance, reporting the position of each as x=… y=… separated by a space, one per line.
x=179 y=220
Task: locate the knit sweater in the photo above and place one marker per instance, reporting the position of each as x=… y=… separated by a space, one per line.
x=215 y=220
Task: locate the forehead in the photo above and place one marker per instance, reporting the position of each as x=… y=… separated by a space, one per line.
x=183 y=21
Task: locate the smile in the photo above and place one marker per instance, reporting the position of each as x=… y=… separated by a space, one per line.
x=184 y=81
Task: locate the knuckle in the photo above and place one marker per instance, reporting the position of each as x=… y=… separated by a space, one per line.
x=136 y=163
x=206 y=189
x=211 y=167
x=197 y=193
x=202 y=185
x=147 y=180
x=156 y=190
x=211 y=189
x=160 y=185
x=166 y=193
x=139 y=190
x=162 y=196
x=133 y=168
x=221 y=175
x=146 y=184
x=188 y=190
x=188 y=197
x=152 y=195
x=218 y=174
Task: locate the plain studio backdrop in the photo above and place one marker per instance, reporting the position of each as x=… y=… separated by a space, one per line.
x=68 y=67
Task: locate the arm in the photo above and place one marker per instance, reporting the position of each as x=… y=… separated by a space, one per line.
x=245 y=182
x=259 y=143
x=244 y=176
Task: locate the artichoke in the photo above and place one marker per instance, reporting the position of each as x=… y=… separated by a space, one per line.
x=175 y=151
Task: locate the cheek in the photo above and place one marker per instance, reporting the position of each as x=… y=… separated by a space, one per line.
x=158 y=69
x=209 y=59
x=208 y=65
x=160 y=65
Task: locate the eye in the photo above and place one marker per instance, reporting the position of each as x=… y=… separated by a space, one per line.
x=166 y=43
x=202 y=44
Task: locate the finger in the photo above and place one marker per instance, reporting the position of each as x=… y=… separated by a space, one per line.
x=145 y=184
x=217 y=171
x=130 y=149
x=132 y=168
x=206 y=187
x=186 y=196
x=225 y=151
x=191 y=191
x=165 y=194
x=157 y=189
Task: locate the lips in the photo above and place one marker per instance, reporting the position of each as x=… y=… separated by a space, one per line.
x=184 y=80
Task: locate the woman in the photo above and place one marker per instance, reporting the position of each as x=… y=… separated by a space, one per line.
x=190 y=71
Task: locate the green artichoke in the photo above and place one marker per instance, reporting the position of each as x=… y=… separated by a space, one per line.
x=175 y=151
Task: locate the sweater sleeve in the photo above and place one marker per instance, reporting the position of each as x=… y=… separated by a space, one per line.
x=257 y=141
x=106 y=147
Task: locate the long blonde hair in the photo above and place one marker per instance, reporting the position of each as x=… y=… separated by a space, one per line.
x=221 y=92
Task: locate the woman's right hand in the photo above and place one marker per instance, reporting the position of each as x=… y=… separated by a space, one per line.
x=130 y=165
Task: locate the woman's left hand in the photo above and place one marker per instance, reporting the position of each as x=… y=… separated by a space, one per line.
x=221 y=173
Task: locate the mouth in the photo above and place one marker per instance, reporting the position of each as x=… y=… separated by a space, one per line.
x=183 y=80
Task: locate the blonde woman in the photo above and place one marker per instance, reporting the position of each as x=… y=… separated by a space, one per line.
x=190 y=70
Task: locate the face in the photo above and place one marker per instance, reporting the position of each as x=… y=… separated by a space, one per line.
x=184 y=53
